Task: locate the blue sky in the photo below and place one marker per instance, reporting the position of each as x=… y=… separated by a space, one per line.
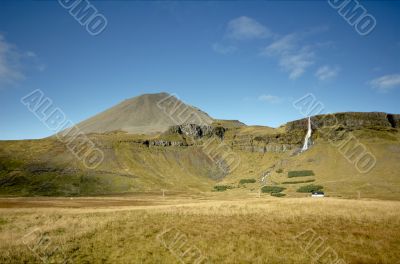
x=235 y=60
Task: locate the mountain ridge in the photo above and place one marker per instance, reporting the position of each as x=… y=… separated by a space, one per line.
x=143 y=114
x=157 y=112
x=191 y=157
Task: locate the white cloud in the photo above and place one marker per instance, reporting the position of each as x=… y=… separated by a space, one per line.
x=13 y=62
x=269 y=98
x=10 y=71
x=292 y=57
x=243 y=28
x=219 y=48
x=282 y=45
x=297 y=63
x=327 y=72
x=386 y=82
x=30 y=54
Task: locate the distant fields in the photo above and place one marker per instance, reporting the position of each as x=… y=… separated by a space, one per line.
x=214 y=228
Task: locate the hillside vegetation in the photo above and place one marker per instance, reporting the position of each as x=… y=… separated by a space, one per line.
x=46 y=167
x=146 y=150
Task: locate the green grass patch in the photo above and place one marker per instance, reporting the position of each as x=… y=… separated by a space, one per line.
x=3 y=221
x=296 y=182
x=272 y=189
x=8 y=164
x=310 y=188
x=243 y=181
x=278 y=194
x=302 y=173
x=221 y=188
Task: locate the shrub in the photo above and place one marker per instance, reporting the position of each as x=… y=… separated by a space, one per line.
x=279 y=171
x=277 y=194
x=301 y=173
x=3 y=221
x=310 y=188
x=295 y=182
x=272 y=189
x=243 y=181
x=221 y=188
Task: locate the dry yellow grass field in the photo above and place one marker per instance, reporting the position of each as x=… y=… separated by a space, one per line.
x=117 y=213
x=212 y=228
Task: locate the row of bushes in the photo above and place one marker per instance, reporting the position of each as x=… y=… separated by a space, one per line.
x=273 y=190
x=302 y=173
x=310 y=188
x=278 y=194
x=221 y=188
x=295 y=182
x=243 y=181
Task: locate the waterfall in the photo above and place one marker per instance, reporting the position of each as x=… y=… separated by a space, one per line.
x=307 y=139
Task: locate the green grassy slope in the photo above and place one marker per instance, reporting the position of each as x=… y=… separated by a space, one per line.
x=46 y=167
x=338 y=175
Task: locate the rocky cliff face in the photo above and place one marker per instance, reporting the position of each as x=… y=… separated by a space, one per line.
x=350 y=120
x=280 y=142
x=289 y=140
x=197 y=131
x=164 y=143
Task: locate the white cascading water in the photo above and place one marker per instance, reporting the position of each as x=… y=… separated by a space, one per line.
x=307 y=141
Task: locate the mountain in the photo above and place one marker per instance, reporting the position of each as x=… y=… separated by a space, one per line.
x=145 y=114
x=158 y=142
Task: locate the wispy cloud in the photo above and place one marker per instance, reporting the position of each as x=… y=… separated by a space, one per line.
x=270 y=98
x=10 y=71
x=386 y=82
x=12 y=63
x=292 y=53
x=31 y=54
x=282 y=45
x=327 y=72
x=293 y=57
x=297 y=63
x=222 y=49
x=244 y=28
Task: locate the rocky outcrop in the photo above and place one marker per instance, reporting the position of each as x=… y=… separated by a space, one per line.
x=291 y=139
x=349 y=120
x=165 y=143
x=268 y=148
x=394 y=120
x=280 y=142
x=268 y=143
x=197 y=131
